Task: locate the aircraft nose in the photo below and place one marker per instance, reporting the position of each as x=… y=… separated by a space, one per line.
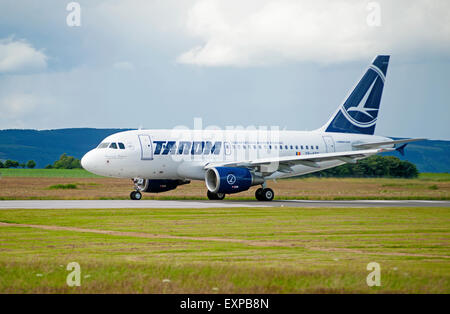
x=86 y=161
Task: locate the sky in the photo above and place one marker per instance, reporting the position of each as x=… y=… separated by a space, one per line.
x=162 y=63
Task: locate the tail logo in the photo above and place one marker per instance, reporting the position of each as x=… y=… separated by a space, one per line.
x=359 y=112
x=361 y=115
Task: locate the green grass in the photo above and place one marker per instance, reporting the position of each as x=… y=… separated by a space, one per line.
x=237 y=198
x=69 y=186
x=266 y=250
x=435 y=176
x=81 y=173
x=46 y=173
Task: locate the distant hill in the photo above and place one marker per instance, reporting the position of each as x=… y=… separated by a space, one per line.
x=428 y=156
x=46 y=146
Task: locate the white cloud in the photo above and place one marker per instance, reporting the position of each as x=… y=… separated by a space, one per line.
x=20 y=56
x=18 y=105
x=124 y=65
x=241 y=33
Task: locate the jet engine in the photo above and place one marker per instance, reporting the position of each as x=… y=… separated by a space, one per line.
x=230 y=180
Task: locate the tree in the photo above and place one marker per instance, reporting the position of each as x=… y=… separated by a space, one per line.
x=31 y=164
x=2 y=165
x=11 y=164
x=375 y=166
x=408 y=169
x=67 y=162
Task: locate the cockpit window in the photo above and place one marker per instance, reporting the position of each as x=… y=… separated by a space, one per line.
x=113 y=146
x=103 y=145
x=121 y=146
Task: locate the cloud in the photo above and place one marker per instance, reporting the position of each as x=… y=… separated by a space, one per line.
x=20 y=56
x=242 y=33
x=124 y=65
x=17 y=105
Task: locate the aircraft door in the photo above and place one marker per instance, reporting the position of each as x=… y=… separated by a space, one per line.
x=329 y=144
x=146 y=147
x=227 y=149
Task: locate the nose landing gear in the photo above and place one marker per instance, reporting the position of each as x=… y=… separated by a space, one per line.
x=138 y=186
x=136 y=195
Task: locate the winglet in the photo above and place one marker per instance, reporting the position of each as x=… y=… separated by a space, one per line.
x=401 y=149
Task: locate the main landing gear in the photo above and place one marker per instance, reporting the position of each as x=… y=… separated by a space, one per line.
x=264 y=194
x=215 y=196
x=261 y=194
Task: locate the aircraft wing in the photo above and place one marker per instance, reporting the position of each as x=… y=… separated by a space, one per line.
x=283 y=164
x=378 y=144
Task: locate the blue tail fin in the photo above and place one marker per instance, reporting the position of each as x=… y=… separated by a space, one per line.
x=359 y=112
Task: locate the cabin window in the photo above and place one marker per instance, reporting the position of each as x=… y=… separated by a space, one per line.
x=286 y=147
x=296 y=147
x=317 y=147
x=113 y=146
x=121 y=146
x=301 y=147
x=307 y=147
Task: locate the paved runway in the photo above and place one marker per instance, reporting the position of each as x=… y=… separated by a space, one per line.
x=69 y=204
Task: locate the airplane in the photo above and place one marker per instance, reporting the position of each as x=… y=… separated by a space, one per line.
x=232 y=161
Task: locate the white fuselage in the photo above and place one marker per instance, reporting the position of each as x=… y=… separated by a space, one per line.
x=183 y=154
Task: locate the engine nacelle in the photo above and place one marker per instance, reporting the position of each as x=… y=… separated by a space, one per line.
x=158 y=186
x=230 y=180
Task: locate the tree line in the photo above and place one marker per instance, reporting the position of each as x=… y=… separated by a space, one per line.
x=373 y=167
x=64 y=162
x=15 y=164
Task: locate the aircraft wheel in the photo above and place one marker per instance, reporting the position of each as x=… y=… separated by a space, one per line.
x=215 y=196
x=258 y=194
x=138 y=196
x=267 y=195
x=135 y=195
x=211 y=195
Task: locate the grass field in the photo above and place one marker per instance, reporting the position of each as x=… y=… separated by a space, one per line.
x=47 y=173
x=81 y=173
x=79 y=184
x=238 y=250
